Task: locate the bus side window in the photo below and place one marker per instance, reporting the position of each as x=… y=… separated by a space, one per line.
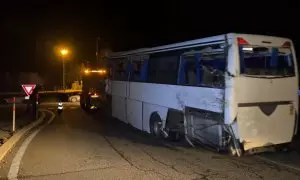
x=202 y=70
x=144 y=71
x=190 y=71
x=163 y=68
x=120 y=71
x=187 y=71
x=212 y=72
x=136 y=71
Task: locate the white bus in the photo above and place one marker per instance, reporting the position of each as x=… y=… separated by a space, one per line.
x=236 y=91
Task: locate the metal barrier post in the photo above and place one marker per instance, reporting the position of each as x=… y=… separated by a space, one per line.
x=36 y=110
x=14 y=115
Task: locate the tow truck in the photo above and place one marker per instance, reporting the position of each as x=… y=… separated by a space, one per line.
x=93 y=96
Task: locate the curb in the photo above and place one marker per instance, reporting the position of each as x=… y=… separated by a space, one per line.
x=10 y=143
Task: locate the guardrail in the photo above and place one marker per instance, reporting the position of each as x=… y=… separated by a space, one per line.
x=60 y=91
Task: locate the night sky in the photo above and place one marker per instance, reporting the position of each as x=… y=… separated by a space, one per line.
x=31 y=30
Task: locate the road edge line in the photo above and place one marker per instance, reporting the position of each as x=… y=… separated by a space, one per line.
x=16 y=161
x=11 y=142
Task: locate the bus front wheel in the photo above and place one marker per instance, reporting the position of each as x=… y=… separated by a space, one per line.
x=155 y=125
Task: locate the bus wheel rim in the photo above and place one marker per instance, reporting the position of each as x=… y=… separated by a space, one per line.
x=156 y=128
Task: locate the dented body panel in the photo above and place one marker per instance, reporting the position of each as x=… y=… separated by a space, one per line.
x=149 y=98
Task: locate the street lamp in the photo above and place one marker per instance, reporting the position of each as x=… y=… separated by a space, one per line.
x=63 y=52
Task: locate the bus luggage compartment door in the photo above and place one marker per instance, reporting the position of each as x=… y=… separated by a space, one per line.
x=257 y=129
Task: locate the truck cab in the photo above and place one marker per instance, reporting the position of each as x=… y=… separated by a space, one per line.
x=93 y=95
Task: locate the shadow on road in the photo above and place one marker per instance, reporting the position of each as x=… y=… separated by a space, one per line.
x=119 y=129
x=111 y=127
x=103 y=124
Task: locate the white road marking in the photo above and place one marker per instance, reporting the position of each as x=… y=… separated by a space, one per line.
x=278 y=163
x=15 y=165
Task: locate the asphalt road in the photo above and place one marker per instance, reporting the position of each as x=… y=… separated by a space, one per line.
x=78 y=145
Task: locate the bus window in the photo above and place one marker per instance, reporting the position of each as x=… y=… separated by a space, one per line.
x=119 y=73
x=190 y=70
x=211 y=69
x=266 y=61
x=136 y=70
x=163 y=68
x=144 y=71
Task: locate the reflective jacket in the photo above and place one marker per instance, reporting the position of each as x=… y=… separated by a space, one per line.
x=60 y=105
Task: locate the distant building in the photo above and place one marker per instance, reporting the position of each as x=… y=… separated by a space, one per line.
x=76 y=85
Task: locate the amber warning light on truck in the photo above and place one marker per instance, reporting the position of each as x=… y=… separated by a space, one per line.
x=101 y=71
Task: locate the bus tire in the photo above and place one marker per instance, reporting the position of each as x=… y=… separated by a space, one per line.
x=155 y=125
x=174 y=135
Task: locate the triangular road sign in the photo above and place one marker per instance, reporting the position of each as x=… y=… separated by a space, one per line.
x=28 y=88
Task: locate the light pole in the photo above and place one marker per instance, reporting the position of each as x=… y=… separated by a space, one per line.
x=63 y=52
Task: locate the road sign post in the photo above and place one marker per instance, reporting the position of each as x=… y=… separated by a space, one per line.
x=14 y=115
x=36 y=111
x=28 y=88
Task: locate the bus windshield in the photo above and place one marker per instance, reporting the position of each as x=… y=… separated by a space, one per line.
x=266 y=61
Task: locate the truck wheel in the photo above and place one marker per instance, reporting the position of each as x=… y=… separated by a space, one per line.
x=73 y=100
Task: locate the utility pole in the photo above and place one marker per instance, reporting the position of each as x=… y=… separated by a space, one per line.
x=97 y=51
x=63 y=52
x=102 y=50
x=63 y=79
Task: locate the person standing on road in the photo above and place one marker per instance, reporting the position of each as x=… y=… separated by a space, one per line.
x=60 y=107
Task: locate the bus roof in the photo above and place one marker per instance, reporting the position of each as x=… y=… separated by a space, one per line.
x=186 y=44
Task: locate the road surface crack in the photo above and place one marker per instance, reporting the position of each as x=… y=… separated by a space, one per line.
x=277 y=167
x=247 y=167
x=131 y=163
x=165 y=164
x=204 y=175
